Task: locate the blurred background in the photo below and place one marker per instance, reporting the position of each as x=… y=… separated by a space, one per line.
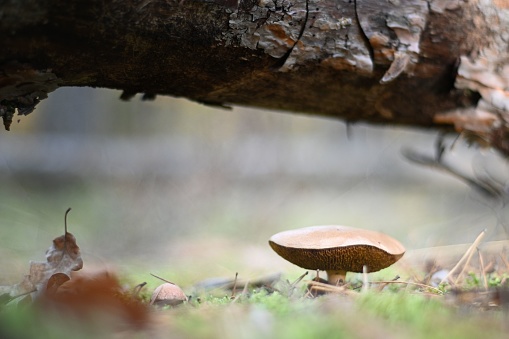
x=189 y=192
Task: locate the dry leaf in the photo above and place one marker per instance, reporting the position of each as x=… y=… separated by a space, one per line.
x=97 y=297
x=55 y=282
x=63 y=256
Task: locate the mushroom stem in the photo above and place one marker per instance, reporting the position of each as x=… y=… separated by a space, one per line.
x=336 y=278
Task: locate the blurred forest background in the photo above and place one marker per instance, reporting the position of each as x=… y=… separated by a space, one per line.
x=174 y=186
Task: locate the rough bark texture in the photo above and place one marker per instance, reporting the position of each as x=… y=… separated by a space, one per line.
x=429 y=63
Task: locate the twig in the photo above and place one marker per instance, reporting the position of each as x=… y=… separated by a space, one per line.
x=291 y=288
x=381 y=287
x=466 y=257
x=244 y=292
x=330 y=288
x=483 y=273
x=475 y=244
x=155 y=276
x=23 y=294
x=235 y=285
x=137 y=289
x=504 y=259
x=408 y=283
x=489 y=267
x=489 y=188
x=319 y=286
x=298 y=280
x=341 y=289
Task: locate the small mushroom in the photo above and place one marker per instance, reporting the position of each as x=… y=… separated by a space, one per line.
x=337 y=250
x=168 y=294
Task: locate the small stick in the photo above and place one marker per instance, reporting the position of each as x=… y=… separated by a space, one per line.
x=155 y=276
x=483 y=272
x=235 y=285
x=292 y=285
x=244 y=292
x=407 y=283
x=466 y=257
x=299 y=279
x=476 y=243
x=330 y=288
x=137 y=289
x=326 y=287
x=504 y=260
x=22 y=294
x=381 y=287
x=489 y=267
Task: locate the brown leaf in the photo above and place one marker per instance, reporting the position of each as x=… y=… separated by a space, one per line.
x=98 y=296
x=55 y=281
x=64 y=255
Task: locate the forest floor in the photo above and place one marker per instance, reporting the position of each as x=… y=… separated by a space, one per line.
x=465 y=295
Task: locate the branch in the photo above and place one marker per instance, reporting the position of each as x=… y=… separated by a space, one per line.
x=436 y=63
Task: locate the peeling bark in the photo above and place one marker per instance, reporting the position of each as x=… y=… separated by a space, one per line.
x=428 y=63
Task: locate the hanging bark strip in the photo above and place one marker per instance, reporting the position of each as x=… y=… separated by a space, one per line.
x=426 y=63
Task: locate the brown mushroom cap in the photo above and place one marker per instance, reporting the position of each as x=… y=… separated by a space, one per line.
x=339 y=248
x=168 y=294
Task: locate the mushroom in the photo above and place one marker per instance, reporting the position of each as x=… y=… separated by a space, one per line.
x=337 y=250
x=168 y=294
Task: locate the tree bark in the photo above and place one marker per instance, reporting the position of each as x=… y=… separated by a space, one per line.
x=427 y=63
